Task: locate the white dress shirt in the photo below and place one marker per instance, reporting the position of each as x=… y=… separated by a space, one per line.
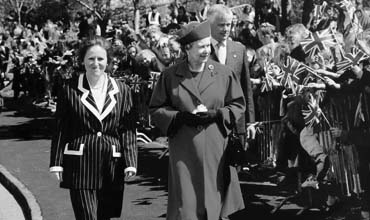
x=220 y=49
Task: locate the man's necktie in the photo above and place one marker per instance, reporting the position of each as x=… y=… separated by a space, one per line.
x=221 y=52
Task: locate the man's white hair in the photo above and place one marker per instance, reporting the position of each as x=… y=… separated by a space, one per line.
x=218 y=11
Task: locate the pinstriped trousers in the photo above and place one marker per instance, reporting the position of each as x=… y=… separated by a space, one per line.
x=103 y=204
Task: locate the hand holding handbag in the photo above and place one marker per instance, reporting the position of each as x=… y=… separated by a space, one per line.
x=234 y=152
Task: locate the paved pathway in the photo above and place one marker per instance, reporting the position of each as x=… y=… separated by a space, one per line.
x=9 y=207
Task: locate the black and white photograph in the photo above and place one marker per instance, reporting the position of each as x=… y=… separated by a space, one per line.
x=184 y=109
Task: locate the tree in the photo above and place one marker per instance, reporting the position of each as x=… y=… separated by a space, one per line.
x=55 y=10
x=137 y=15
x=20 y=7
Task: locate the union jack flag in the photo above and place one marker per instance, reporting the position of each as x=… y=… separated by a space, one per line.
x=154 y=76
x=271 y=70
x=289 y=73
x=312 y=114
x=134 y=83
x=318 y=41
x=353 y=58
x=311 y=72
x=318 y=10
x=266 y=85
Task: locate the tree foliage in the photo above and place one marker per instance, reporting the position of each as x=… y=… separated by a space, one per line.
x=19 y=8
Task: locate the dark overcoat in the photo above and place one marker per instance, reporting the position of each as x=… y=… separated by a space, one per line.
x=200 y=185
x=237 y=61
x=93 y=148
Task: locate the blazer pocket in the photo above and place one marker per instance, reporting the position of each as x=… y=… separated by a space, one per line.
x=78 y=152
x=114 y=151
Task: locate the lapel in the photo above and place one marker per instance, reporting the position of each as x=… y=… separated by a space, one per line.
x=89 y=102
x=187 y=80
x=213 y=55
x=110 y=100
x=231 y=54
x=209 y=76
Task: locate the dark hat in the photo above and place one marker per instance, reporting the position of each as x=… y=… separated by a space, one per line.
x=194 y=31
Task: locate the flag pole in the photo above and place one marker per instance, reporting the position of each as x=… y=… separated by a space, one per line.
x=327 y=121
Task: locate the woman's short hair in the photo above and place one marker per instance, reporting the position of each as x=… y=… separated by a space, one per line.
x=218 y=10
x=94 y=41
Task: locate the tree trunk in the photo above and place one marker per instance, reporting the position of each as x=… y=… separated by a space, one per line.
x=137 y=20
x=136 y=16
x=19 y=16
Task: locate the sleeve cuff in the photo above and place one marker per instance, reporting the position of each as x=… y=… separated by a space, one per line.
x=56 y=169
x=132 y=169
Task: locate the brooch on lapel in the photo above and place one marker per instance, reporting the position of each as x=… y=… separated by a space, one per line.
x=211 y=68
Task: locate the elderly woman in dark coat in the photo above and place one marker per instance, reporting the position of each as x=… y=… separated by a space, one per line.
x=196 y=103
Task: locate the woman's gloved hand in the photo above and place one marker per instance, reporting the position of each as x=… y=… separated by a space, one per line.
x=208 y=117
x=186 y=118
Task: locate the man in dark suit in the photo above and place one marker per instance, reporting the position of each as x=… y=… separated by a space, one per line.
x=233 y=55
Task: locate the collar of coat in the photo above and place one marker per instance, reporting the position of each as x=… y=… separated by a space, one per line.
x=232 y=52
x=89 y=102
x=210 y=73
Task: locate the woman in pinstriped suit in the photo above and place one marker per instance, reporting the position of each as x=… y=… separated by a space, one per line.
x=94 y=147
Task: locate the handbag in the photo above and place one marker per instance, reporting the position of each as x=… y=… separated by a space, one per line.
x=234 y=152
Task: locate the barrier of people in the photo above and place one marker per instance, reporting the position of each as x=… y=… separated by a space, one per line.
x=344 y=111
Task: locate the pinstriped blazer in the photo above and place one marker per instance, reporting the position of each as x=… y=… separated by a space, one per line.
x=92 y=148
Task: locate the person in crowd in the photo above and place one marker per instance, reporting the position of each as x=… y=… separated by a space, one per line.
x=94 y=147
x=104 y=20
x=266 y=33
x=233 y=55
x=159 y=46
x=92 y=25
x=147 y=62
x=267 y=12
x=175 y=50
x=248 y=35
x=173 y=7
x=153 y=18
x=172 y=28
x=286 y=14
x=195 y=103
x=201 y=15
x=182 y=17
x=129 y=65
x=294 y=36
x=359 y=134
x=363 y=18
x=83 y=25
x=234 y=30
x=303 y=142
x=308 y=5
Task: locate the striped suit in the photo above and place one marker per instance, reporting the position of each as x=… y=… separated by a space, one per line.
x=93 y=148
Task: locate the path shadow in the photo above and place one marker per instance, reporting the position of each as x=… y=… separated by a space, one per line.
x=153 y=170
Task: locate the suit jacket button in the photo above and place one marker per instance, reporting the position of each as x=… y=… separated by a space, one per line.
x=99 y=134
x=199 y=127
